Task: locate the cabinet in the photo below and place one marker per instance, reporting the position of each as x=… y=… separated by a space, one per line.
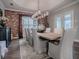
x=76 y=50
x=5 y=35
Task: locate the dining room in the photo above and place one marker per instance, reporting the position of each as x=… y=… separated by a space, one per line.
x=39 y=29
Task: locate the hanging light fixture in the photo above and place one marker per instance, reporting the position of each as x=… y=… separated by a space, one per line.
x=38 y=14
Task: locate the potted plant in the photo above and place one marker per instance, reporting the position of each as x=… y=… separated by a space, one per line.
x=2 y=23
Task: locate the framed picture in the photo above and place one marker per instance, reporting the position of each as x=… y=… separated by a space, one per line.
x=1 y=13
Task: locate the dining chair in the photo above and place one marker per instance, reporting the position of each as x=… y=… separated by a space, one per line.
x=67 y=45
x=29 y=36
x=39 y=44
x=54 y=50
x=26 y=33
x=65 y=49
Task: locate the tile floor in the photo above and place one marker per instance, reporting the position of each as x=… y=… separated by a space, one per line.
x=20 y=49
x=14 y=50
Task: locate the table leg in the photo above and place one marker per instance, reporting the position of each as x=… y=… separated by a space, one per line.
x=47 y=47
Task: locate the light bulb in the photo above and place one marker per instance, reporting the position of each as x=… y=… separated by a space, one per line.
x=39 y=12
x=44 y=14
x=47 y=13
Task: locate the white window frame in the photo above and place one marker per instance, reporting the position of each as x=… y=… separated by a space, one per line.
x=58 y=15
x=62 y=19
x=72 y=18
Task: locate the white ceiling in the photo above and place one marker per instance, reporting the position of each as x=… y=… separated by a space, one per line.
x=31 y=5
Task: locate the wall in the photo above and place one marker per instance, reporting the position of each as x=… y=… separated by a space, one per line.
x=1 y=5
x=70 y=36
x=13 y=22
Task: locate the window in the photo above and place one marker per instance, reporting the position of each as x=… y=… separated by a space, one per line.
x=64 y=20
x=25 y=22
x=28 y=22
x=68 y=21
x=58 y=22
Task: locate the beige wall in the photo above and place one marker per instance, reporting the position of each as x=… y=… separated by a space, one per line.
x=52 y=14
x=75 y=9
x=1 y=5
x=70 y=36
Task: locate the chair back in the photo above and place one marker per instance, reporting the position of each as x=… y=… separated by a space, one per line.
x=67 y=45
x=36 y=40
x=26 y=33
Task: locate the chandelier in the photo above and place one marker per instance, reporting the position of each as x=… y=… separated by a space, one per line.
x=39 y=14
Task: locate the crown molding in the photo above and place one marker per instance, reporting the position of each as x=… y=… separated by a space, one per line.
x=68 y=5
x=19 y=10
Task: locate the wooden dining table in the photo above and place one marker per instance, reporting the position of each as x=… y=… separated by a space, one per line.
x=49 y=36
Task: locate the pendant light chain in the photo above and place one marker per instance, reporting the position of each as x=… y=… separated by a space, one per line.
x=42 y=15
x=38 y=5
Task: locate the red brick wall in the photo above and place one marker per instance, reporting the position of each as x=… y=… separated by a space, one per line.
x=14 y=19
x=13 y=22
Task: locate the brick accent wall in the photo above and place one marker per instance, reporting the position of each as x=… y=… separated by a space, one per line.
x=13 y=22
